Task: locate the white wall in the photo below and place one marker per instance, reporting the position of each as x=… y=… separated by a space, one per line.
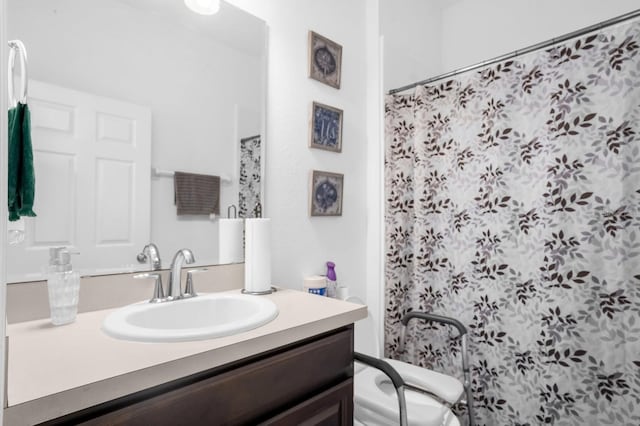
x=375 y=166
x=302 y=244
x=474 y=31
x=194 y=85
x=403 y=23
x=425 y=38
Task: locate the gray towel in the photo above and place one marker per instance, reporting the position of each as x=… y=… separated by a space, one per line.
x=196 y=194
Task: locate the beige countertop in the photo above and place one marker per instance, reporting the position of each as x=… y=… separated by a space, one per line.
x=53 y=371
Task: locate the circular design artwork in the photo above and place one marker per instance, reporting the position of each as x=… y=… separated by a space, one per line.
x=326 y=195
x=325 y=61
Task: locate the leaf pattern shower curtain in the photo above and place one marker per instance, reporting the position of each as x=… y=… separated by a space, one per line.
x=513 y=204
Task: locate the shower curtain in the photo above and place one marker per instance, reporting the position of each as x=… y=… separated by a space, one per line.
x=513 y=205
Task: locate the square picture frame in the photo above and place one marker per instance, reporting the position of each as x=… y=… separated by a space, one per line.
x=326 y=127
x=325 y=60
x=326 y=193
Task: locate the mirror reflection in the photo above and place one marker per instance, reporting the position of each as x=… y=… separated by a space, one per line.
x=124 y=93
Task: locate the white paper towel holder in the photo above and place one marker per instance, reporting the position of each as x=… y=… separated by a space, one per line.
x=259 y=293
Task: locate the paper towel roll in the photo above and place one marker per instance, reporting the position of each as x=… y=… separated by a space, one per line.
x=257 y=255
x=230 y=241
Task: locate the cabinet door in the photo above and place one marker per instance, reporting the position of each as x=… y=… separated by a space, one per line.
x=333 y=407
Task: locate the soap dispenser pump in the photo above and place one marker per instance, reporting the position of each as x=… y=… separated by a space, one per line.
x=63 y=284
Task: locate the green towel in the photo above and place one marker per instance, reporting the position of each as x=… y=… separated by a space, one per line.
x=21 y=179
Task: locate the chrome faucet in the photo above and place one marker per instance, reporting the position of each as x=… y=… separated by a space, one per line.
x=150 y=252
x=174 y=290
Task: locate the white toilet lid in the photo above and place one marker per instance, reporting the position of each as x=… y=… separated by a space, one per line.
x=374 y=392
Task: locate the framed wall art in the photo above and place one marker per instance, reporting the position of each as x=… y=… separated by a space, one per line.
x=326 y=193
x=325 y=60
x=326 y=127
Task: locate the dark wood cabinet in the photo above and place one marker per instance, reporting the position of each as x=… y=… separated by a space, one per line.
x=333 y=407
x=305 y=383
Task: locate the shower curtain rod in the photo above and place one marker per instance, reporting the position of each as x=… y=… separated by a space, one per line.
x=526 y=50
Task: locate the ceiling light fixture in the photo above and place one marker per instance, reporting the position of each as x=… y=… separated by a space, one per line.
x=203 y=7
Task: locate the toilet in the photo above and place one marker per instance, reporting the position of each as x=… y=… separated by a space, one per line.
x=376 y=402
x=375 y=398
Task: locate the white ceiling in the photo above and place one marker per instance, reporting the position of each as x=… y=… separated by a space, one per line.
x=230 y=25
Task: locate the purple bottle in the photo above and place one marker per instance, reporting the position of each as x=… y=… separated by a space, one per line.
x=332 y=283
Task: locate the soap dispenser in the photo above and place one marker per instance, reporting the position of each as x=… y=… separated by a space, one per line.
x=63 y=284
x=332 y=284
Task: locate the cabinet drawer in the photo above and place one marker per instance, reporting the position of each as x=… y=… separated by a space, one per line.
x=247 y=394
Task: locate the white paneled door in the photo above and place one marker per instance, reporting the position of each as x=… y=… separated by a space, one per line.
x=92 y=162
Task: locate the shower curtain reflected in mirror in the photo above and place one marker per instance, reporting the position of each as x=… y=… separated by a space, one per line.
x=250 y=178
x=513 y=205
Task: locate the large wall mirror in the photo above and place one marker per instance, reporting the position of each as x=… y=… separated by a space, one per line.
x=122 y=94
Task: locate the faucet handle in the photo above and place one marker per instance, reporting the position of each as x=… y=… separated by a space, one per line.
x=158 y=292
x=189 y=290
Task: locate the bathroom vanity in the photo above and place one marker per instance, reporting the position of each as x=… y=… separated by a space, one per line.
x=296 y=369
x=307 y=381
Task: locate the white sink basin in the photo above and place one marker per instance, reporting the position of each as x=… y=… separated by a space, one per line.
x=198 y=318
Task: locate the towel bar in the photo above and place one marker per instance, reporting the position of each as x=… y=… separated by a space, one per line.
x=156 y=172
